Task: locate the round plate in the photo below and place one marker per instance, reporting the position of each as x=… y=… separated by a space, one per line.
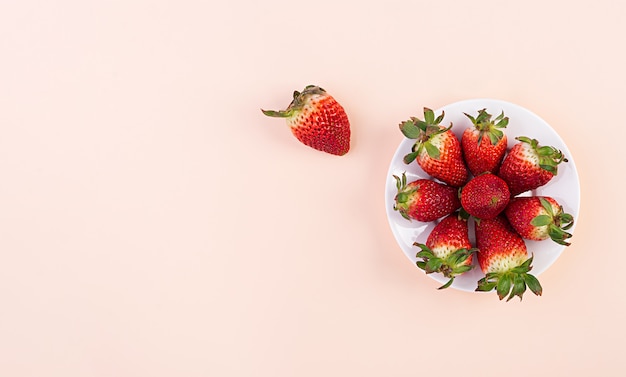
x=564 y=187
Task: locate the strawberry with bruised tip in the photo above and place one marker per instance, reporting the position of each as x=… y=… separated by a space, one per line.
x=317 y=120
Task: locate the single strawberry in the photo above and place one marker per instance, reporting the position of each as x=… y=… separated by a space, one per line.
x=528 y=166
x=484 y=145
x=539 y=218
x=317 y=120
x=437 y=150
x=503 y=257
x=424 y=200
x=447 y=250
x=485 y=196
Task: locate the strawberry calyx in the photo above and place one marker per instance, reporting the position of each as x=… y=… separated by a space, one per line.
x=451 y=266
x=300 y=99
x=549 y=157
x=558 y=223
x=403 y=196
x=423 y=131
x=488 y=127
x=512 y=282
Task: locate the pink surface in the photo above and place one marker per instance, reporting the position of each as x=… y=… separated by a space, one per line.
x=154 y=223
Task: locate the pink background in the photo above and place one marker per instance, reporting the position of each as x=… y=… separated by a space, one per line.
x=154 y=223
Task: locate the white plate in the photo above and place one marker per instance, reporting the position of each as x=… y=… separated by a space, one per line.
x=565 y=187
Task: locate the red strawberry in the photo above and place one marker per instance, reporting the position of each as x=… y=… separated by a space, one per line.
x=503 y=258
x=538 y=218
x=424 y=200
x=528 y=165
x=485 y=196
x=317 y=120
x=437 y=149
x=447 y=250
x=484 y=144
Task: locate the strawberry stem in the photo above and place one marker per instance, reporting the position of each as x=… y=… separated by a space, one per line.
x=298 y=101
x=278 y=114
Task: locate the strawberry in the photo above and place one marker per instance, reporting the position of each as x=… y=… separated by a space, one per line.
x=437 y=150
x=424 y=200
x=538 y=218
x=503 y=257
x=447 y=250
x=484 y=144
x=317 y=120
x=485 y=196
x=528 y=165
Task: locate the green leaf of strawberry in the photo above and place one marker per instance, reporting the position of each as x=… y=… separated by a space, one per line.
x=432 y=151
x=533 y=284
x=486 y=284
x=541 y=220
x=519 y=287
x=410 y=157
x=429 y=116
x=410 y=130
x=504 y=285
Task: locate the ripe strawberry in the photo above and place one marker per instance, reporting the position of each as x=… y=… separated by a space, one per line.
x=485 y=196
x=317 y=120
x=437 y=149
x=528 y=165
x=424 y=200
x=447 y=250
x=484 y=144
x=538 y=218
x=503 y=257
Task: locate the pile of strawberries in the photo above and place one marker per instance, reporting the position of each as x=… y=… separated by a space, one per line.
x=478 y=179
